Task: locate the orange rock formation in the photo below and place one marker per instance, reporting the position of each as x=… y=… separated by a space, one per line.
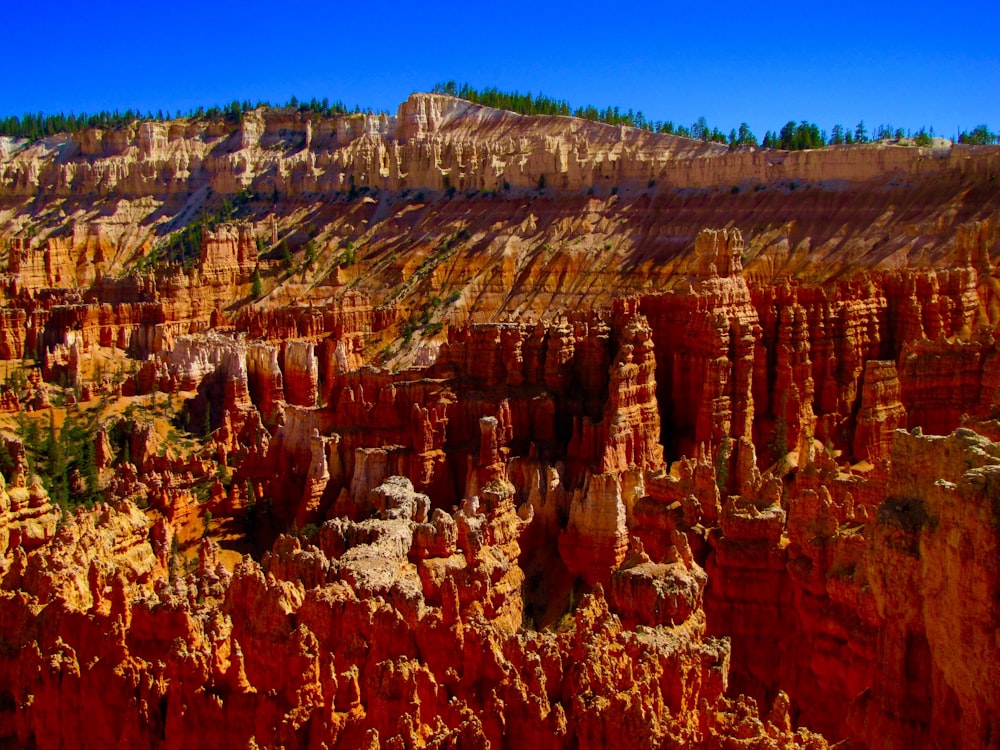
x=417 y=453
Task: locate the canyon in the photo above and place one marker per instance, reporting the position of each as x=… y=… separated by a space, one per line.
x=462 y=428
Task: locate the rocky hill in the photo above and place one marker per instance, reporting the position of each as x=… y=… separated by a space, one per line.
x=460 y=428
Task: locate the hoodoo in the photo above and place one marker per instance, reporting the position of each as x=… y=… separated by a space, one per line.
x=463 y=428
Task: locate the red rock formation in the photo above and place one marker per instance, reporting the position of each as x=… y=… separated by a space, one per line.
x=595 y=540
x=265 y=382
x=12 y=333
x=668 y=593
x=228 y=254
x=27 y=519
x=630 y=430
x=925 y=367
x=348 y=605
x=881 y=412
x=706 y=337
x=301 y=373
x=783 y=386
x=350 y=314
x=622 y=446
x=420 y=537
x=931 y=563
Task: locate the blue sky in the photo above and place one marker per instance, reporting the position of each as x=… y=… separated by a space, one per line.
x=763 y=63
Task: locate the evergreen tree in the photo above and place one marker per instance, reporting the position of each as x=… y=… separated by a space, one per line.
x=786 y=138
x=744 y=137
x=6 y=461
x=978 y=136
x=88 y=469
x=257 y=287
x=700 y=130
x=56 y=468
x=207 y=426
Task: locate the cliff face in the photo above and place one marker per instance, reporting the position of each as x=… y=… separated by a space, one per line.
x=433 y=142
x=407 y=446
x=638 y=199
x=931 y=558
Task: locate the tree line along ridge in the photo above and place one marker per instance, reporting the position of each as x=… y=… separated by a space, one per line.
x=790 y=137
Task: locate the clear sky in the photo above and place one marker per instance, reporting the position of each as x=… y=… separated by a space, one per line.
x=763 y=63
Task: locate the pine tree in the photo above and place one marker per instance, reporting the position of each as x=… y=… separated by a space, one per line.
x=745 y=137
x=786 y=138
x=89 y=471
x=56 y=469
x=207 y=427
x=257 y=288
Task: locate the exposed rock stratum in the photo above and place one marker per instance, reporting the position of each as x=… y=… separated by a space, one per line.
x=458 y=428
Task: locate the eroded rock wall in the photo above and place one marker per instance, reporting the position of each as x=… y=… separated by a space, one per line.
x=419 y=448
